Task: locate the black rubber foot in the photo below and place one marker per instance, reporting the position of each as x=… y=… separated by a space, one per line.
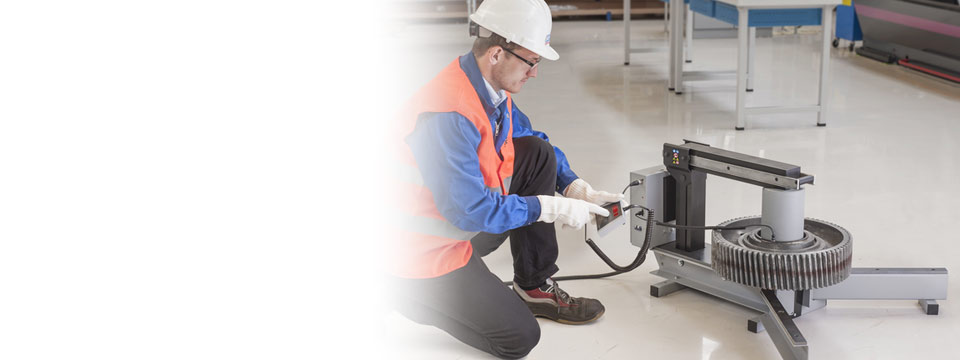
x=749 y=90
x=671 y=89
x=679 y=92
x=626 y=63
x=688 y=61
x=821 y=125
x=933 y=309
x=738 y=128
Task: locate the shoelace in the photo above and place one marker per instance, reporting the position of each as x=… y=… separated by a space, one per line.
x=560 y=294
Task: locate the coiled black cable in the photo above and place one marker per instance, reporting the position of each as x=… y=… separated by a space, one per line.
x=617 y=269
x=641 y=256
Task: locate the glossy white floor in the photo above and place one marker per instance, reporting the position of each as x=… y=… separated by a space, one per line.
x=886 y=166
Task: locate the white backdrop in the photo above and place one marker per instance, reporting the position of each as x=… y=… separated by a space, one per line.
x=187 y=179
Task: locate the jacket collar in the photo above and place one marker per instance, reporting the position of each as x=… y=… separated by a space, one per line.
x=468 y=63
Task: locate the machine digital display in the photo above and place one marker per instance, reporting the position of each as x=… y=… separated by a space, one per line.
x=606 y=224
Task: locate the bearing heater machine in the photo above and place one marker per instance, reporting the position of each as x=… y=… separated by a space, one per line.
x=780 y=263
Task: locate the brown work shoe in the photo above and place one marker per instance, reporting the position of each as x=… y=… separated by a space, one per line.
x=551 y=302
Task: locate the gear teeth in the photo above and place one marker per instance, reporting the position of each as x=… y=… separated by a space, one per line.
x=783 y=270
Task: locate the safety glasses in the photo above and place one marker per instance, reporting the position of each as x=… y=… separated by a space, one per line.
x=525 y=61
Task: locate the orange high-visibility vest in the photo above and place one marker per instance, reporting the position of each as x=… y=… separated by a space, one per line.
x=429 y=245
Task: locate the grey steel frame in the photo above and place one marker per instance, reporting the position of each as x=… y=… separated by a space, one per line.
x=680 y=48
x=687 y=35
x=776 y=309
x=746 y=44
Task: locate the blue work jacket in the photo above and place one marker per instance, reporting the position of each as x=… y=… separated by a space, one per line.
x=445 y=148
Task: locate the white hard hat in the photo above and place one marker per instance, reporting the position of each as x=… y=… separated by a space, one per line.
x=524 y=22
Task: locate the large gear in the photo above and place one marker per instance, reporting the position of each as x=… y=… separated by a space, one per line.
x=823 y=257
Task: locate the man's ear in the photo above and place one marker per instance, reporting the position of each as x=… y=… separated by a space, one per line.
x=495 y=55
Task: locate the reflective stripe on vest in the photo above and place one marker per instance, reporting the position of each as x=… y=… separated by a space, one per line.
x=506 y=183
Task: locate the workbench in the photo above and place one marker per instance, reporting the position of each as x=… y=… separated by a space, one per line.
x=747 y=15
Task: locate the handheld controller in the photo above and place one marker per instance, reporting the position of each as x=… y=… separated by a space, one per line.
x=606 y=224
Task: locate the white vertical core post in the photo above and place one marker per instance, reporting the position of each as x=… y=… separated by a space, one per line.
x=782 y=210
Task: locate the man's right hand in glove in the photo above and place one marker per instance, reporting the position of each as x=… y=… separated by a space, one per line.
x=572 y=213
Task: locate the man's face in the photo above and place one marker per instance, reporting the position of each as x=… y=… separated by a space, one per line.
x=510 y=72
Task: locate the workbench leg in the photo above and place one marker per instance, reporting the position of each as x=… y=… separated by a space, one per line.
x=673 y=46
x=751 y=58
x=827 y=25
x=688 y=35
x=666 y=16
x=743 y=31
x=472 y=28
x=670 y=44
x=626 y=32
x=677 y=17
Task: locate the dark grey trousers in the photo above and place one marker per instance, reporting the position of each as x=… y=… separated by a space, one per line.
x=471 y=303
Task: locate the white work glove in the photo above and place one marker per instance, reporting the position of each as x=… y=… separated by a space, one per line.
x=579 y=189
x=572 y=213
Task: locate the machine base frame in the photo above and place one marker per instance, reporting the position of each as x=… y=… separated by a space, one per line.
x=777 y=309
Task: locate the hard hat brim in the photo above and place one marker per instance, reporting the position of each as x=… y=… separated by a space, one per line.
x=547 y=52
